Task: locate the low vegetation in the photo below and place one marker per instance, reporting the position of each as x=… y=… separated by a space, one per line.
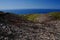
x=55 y=14
x=31 y=17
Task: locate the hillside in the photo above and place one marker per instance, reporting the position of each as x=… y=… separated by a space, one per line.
x=29 y=27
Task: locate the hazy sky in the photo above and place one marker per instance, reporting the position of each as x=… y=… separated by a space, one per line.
x=29 y=4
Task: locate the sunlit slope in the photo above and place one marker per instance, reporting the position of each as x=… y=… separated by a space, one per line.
x=42 y=17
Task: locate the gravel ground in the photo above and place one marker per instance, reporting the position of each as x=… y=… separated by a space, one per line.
x=30 y=31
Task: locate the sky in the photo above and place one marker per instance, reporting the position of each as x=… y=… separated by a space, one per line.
x=29 y=4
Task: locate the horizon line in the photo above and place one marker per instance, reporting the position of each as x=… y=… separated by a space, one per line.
x=19 y=9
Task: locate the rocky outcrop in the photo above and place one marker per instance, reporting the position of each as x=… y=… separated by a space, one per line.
x=13 y=27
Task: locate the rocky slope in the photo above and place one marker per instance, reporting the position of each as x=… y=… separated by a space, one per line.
x=13 y=27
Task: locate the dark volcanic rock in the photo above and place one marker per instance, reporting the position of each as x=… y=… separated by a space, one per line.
x=13 y=27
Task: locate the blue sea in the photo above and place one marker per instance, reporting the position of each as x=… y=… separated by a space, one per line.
x=31 y=11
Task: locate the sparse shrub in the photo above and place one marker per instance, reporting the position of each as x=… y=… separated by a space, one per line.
x=55 y=14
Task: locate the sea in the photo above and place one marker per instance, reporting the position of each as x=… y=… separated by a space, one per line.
x=31 y=11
